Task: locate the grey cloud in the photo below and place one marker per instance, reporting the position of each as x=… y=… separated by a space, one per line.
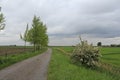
x=100 y=6
x=102 y=32
x=100 y=18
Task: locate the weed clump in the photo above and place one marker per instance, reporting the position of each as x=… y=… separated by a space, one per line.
x=86 y=54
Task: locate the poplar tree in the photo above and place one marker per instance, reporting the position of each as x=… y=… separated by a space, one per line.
x=37 y=35
x=25 y=37
x=2 y=20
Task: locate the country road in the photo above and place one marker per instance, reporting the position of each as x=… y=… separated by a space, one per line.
x=34 y=68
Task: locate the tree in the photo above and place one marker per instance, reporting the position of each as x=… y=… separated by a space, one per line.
x=25 y=37
x=2 y=20
x=37 y=35
x=99 y=44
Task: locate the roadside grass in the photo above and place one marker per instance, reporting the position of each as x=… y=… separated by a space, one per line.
x=61 y=68
x=11 y=59
x=110 y=59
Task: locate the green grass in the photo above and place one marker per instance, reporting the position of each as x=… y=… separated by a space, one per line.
x=111 y=55
x=68 y=49
x=61 y=68
x=11 y=59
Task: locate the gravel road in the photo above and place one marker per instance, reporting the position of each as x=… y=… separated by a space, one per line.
x=34 y=68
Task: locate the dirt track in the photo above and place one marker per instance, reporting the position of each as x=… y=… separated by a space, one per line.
x=34 y=68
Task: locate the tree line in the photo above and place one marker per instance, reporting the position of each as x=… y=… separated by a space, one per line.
x=36 y=35
x=111 y=45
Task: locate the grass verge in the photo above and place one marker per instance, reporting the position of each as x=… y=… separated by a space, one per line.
x=11 y=59
x=61 y=68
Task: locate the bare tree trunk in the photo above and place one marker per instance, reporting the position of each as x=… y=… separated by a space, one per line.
x=34 y=46
x=25 y=46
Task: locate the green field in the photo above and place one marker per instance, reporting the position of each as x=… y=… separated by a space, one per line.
x=61 y=68
x=111 y=55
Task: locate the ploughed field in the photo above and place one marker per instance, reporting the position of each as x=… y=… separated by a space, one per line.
x=13 y=54
x=10 y=50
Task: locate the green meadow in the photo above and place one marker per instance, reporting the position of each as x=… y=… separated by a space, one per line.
x=61 y=67
x=111 y=55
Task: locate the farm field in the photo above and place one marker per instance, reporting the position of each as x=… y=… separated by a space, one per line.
x=61 y=68
x=10 y=55
x=10 y=50
x=111 y=55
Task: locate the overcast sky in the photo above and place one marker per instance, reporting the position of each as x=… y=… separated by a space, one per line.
x=94 y=20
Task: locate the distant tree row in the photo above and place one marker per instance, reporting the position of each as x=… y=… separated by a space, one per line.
x=111 y=45
x=36 y=35
x=115 y=45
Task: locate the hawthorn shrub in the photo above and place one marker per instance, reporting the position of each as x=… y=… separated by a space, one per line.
x=86 y=54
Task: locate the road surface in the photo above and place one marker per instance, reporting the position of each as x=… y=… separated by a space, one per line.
x=34 y=68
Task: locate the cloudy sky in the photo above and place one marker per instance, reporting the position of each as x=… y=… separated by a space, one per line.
x=94 y=20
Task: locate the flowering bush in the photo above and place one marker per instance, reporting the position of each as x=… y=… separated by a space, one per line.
x=86 y=54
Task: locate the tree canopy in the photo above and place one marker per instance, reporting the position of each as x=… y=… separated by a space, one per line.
x=25 y=37
x=99 y=44
x=37 y=35
x=2 y=20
